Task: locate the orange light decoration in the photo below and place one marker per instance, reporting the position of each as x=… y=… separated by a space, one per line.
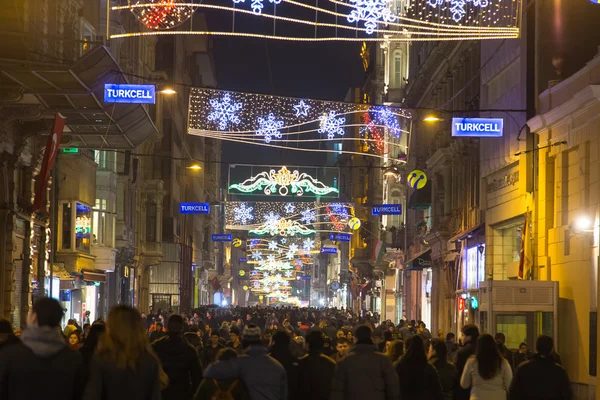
x=372 y=131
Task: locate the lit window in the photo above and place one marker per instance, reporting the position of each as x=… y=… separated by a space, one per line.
x=338 y=147
x=398 y=70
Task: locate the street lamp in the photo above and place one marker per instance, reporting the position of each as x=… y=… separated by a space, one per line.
x=168 y=91
x=194 y=167
x=433 y=118
x=582 y=224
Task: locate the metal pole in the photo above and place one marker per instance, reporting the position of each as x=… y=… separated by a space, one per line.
x=53 y=223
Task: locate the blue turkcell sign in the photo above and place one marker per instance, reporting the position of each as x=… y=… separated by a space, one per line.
x=304 y=278
x=125 y=93
x=194 y=208
x=242 y=259
x=387 y=209
x=477 y=127
x=329 y=250
x=339 y=237
x=222 y=237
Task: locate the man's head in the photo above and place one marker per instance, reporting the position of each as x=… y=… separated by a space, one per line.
x=544 y=345
x=251 y=336
x=315 y=341
x=214 y=338
x=144 y=315
x=159 y=326
x=343 y=345
x=500 y=338
x=362 y=335
x=193 y=328
x=451 y=337
x=234 y=334
x=45 y=312
x=175 y=324
x=470 y=333
x=195 y=315
x=340 y=334
x=281 y=339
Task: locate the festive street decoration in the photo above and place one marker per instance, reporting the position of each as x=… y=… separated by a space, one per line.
x=417 y=179
x=372 y=12
x=290 y=208
x=331 y=125
x=243 y=214
x=373 y=135
x=224 y=111
x=283 y=227
x=302 y=109
x=458 y=7
x=161 y=14
x=269 y=127
x=308 y=244
x=354 y=223
x=283 y=182
x=308 y=216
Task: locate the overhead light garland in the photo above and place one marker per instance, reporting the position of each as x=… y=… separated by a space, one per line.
x=282 y=227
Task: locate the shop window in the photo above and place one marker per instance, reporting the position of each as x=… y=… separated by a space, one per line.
x=474 y=267
x=514 y=328
x=83 y=227
x=99 y=223
x=66 y=226
x=398 y=70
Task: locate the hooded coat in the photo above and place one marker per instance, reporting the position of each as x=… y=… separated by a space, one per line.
x=42 y=354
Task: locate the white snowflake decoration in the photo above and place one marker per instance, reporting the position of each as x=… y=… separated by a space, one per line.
x=339 y=210
x=386 y=117
x=275 y=286
x=280 y=251
x=371 y=11
x=332 y=125
x=257 y=255
x=302 y=109
x=289 y=208
x=288 y=274
x=257 y=5
x=243 y=214
x=271 y=258
x=285 y=283
x=308 y=216
x=257 y=284
x=290 y=255
x=458 y=7
x=272 y=219
x=269 y=127
x=293 y=247
x=273 y=245
x=224 y=112
x=308 y=244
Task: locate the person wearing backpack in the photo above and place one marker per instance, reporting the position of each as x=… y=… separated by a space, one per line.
x=226 y=389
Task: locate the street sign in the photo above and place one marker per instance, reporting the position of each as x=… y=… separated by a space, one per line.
x=243 y=259
x=125 y=93
x=70 y=150
x=387 y=209
x=339 y=237
x=329 y=250
x=303 y=277
x=222 y=237
x=477 y=127
x=194 y=208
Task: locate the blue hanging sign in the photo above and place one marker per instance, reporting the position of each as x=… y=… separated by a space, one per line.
x=242 y=259
x=304 y=277
x=339 y=237
x=477 y=127
x=222 y=237
x=125 y=93
x=329 y=250
x=387 y=209
x=194 y=208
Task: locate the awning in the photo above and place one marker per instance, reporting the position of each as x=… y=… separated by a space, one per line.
x=77 y=92
x=91 y=276
x=466 y=234
x=420 y=261
x=421 y=198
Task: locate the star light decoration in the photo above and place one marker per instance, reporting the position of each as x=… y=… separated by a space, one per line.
x=372 y=12
x=302 y=109
x=243 y=214
x=331 y=125
x=224 y=112
x=269 y=127
x=290 y=208
x=458 y=7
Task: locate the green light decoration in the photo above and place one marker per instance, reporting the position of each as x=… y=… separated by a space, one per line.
x=297 y=182
x=283 y=227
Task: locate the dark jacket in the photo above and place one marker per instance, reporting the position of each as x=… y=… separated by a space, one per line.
x=208 y=388
x=418 y=381
x=315 y=375
x=10 y=339
x=110 y=383
x=209 y=354
x=508 y=355
x=290 y=363
x=40 y=366
x=462 y=355
x=365 y=374
x=540 y=379
x=264 y=377
x=194 y=340
x=180 y=362
x=449 y=378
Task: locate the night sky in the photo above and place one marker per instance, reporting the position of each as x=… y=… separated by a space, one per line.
x=323 y=71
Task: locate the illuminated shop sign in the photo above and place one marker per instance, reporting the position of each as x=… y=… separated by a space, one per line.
x=125 y=93
x=387 y=209
x=194 y=208
x=477 y=127
x=222 y=237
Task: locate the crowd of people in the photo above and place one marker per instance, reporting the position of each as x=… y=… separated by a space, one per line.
x=266 y=354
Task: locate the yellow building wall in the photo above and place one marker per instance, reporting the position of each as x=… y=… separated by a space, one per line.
x=568 y=187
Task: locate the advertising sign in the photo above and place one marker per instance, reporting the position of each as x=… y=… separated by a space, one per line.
x=339 y=237
x=222 y=237
x=387 y=209
x=477 y=127
x=194 y=208
x=329 y=250
x=125 y=93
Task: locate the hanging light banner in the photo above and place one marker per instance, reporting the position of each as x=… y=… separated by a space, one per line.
x=477 y=127
x=493 y=15
x=283 y=181
x=387 y=209
x=125 y=93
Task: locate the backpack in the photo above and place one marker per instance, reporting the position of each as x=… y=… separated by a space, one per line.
x=223 y=394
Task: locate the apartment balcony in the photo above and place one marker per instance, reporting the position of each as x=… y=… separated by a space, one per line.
x=105 y=257
x=151 y=253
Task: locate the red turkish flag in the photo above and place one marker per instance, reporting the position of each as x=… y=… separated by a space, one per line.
x=50 y=153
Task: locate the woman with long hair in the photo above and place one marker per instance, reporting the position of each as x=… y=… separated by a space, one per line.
x=487 y=373
x=89 y=347
x=418 y=378
x=395 y=350
x=438 y=357
x=124 y=366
